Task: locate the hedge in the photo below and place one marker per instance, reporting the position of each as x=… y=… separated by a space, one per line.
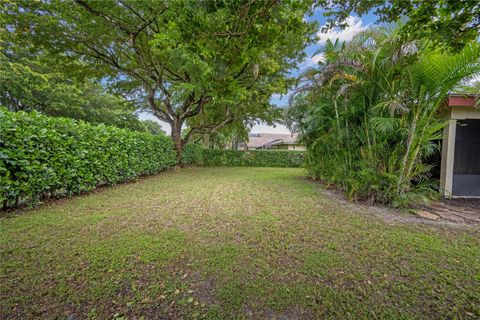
x=192 y=154
x=256 y=158
x=42 y=156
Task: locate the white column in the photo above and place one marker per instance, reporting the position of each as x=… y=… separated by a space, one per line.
x=448 y=157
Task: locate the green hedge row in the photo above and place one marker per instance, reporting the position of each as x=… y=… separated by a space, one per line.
x=192 y=154
x=256 y=158
x=42 y=156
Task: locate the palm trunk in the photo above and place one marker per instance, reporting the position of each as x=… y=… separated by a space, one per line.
x=337 y=117
x=424 y=122
x=405 y=167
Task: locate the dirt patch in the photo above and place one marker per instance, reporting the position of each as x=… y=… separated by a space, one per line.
x=409 y=216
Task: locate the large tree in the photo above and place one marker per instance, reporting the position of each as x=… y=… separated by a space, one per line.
x=197 y=64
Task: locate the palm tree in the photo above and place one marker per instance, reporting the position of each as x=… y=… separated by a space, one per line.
x=369 y=112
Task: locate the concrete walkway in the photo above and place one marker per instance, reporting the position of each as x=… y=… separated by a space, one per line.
x=457 y=210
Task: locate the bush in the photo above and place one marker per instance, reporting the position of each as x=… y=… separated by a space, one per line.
x=257 y=158
x=41 y=156
x=192 y=153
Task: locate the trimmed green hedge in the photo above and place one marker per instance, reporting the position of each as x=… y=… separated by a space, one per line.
x=42 y=156
x=192 y=154
x=255 y=158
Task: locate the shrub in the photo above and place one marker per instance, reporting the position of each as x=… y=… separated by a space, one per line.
x=256 y=158
x=41 y=156
x=192 y=153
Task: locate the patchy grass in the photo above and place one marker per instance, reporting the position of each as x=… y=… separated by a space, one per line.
x=221 y=243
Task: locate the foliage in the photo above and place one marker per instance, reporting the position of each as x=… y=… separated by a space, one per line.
x=451 y=24
x=472 y=87
x=201 y=63
x=44 y=157
x=153 y=127
x=192 y=154
x=228 y=137
x=29 y=83
x=368 y=114
x=256 y=158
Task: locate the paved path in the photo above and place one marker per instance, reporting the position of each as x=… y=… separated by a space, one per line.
x=457 y=210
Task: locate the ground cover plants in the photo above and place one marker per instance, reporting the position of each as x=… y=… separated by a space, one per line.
x=232 y=243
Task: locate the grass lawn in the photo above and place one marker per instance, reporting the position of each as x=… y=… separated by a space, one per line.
x=222 y=243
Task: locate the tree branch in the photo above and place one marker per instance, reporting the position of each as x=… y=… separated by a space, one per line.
x=198 y=107
x=102 y=15
x=209 y=128
x=241 y=71
x=157 y=111
x=126 y=5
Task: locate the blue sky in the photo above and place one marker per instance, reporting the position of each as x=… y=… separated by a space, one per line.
x=355 y=25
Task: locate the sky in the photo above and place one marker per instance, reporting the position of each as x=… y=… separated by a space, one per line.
x=355 y=25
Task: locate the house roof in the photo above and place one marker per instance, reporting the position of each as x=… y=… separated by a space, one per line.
x=462 y=100
x=258 y=140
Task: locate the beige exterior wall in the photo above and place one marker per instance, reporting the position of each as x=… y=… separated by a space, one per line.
x=461 y=113
x=296 y=147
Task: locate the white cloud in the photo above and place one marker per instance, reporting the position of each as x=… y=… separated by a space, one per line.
x=354 y=26
x=474 y=80
x=317 y=58
x=313 y=61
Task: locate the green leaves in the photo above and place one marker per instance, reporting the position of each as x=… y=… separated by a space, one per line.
x=371 y=133
x=199 y=64
x=43 y=157
x=239 y=158
x=450 y=24
x=27 y=83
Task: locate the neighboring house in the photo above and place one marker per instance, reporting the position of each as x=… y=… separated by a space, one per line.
x=272 y=141
x=460 y=169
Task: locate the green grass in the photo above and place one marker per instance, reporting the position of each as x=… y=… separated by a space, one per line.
x=221 y=243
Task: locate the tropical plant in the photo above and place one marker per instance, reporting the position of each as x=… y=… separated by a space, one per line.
x=369 y=113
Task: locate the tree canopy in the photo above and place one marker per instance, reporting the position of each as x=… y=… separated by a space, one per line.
x=204 y=64
x=451 y=24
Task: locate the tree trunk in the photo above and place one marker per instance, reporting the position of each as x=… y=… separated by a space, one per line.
x=177 y=140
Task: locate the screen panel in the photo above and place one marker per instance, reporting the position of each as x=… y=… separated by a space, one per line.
x=466 y=165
